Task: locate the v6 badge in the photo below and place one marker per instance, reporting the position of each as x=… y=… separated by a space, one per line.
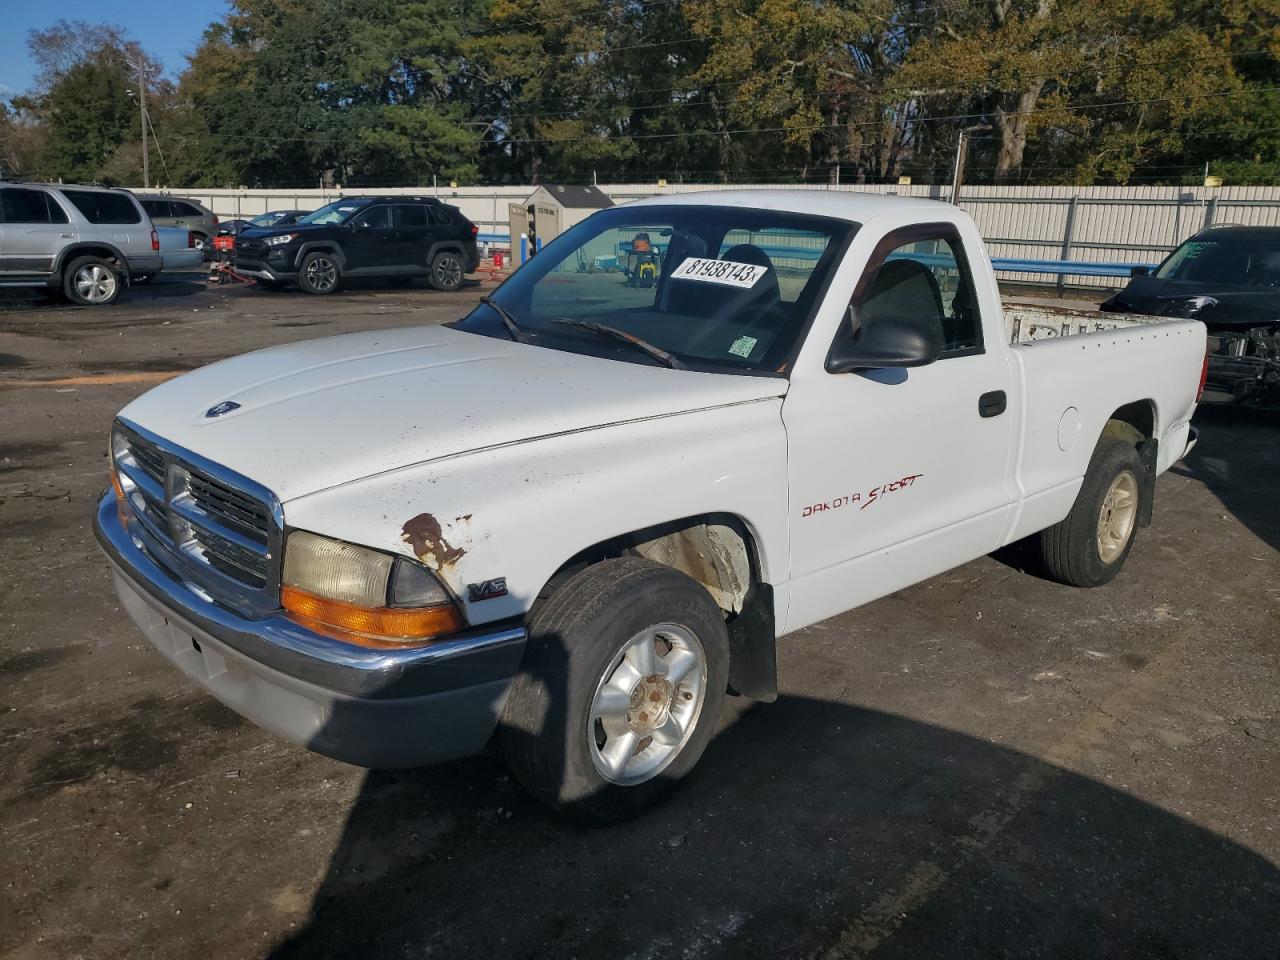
x=487 y=589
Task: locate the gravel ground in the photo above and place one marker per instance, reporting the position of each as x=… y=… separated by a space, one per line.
x=985 y=764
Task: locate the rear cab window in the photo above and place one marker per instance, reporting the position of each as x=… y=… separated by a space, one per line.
x=104 y=208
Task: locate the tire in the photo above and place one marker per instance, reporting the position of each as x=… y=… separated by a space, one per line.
x=583 y=644
x=447 y=271
x=1089 y=547
x=318 y=273
x=91 y=282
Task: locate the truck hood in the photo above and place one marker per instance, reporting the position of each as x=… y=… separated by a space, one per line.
x=316 y=414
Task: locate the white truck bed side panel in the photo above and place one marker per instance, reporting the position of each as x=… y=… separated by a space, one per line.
x=1071 y=386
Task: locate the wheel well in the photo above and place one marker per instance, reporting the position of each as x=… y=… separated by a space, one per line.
x=1138 y=416
x=716 y=550
x=719 y=552
x=106 y=253
x=323 y=246
x=1136 y=423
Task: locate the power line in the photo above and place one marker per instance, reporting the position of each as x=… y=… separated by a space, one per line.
x=762 y=130
x=993 y=83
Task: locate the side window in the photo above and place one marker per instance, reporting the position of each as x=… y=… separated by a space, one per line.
x=156 y=208
x=412 y=215
x=439 y=216
x=187 y=210
x=56 y=213
x=24 y=206
x=375 y=218
x=929 y=280
x=99 y=206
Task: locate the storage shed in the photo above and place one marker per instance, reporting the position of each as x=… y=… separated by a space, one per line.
x=551 y=209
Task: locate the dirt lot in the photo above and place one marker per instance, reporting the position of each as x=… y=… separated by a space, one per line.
x=983 y=765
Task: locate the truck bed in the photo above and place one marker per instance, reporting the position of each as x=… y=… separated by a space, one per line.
x=1030 y=323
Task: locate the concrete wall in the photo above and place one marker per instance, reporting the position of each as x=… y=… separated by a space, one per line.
x=1095 y=224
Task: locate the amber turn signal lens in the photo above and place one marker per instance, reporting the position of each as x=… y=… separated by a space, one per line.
x=370 y=626
x=115 y=485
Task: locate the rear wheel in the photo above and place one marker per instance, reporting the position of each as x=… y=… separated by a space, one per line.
x=619 y=692
x=91 y=282
x=1089 y=547
x=446 y=271
x=318 y=273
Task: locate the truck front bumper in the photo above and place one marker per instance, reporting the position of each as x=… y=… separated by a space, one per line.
x=372 y=708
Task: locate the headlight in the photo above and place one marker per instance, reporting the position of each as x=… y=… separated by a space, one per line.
x=117 y=449
x=363 y=596
x=280 y=240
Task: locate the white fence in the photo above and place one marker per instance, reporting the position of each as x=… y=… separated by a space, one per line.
x=1091 y=224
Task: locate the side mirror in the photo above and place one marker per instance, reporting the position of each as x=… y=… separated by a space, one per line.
x=1139 y=271
x=888 y=342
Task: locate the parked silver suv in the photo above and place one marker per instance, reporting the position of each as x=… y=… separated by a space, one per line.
x=87 y=241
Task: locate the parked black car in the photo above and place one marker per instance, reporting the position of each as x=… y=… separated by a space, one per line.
x=1229 y=278
x=403 y=237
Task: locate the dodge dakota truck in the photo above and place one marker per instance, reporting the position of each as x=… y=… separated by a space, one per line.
x=570 y=522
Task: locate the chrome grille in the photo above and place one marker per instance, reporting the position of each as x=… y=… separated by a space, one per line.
x=207 y=524
x=229 y=506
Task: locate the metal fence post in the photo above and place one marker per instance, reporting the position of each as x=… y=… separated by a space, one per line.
x=1067 y=234
x=1210 y=213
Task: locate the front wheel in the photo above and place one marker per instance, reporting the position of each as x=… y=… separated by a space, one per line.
x=446 y=271
x=1089 y=547
x=619 y=692
x=318 y=273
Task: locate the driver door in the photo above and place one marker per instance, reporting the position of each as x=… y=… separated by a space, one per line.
x=373 y=239
x=899 y=474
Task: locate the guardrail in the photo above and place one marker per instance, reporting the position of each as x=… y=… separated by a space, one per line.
x=1059 y=268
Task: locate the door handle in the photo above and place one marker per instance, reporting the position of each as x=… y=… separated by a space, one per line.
x=992 y=403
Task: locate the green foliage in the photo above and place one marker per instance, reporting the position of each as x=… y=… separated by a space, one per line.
x=366 y=92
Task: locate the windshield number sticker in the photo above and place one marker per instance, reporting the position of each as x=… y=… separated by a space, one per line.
x=726 y=272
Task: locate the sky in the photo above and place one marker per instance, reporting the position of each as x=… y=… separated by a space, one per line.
x=167 y=29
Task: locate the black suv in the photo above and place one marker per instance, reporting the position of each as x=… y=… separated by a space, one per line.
x=403 y=237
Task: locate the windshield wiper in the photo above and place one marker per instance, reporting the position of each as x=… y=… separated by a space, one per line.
x=508 y=320
x=664 y=358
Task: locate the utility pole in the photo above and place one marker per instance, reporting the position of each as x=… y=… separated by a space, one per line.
x=142 y=108
x=957 y=175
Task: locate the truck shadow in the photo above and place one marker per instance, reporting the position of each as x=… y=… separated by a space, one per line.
x=808 y=823
x=1238 y=459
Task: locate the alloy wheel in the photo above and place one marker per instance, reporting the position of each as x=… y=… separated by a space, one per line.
x=1117 y=517
x=647 y=704
x=95 y=283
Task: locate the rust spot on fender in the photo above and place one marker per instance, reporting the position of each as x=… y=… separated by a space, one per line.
x=426 y=537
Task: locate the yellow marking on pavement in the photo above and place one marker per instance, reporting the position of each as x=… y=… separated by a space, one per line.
x=99 y=379
x=887 y=913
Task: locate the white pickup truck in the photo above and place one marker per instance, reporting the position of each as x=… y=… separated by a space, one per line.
x=577 y=517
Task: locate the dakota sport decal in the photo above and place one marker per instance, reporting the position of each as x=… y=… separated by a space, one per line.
x=863 y=500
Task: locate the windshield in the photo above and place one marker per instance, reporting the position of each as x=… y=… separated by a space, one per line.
x=269 y=219
x=723 y=288
x=1225 y=260
x=335 y=212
